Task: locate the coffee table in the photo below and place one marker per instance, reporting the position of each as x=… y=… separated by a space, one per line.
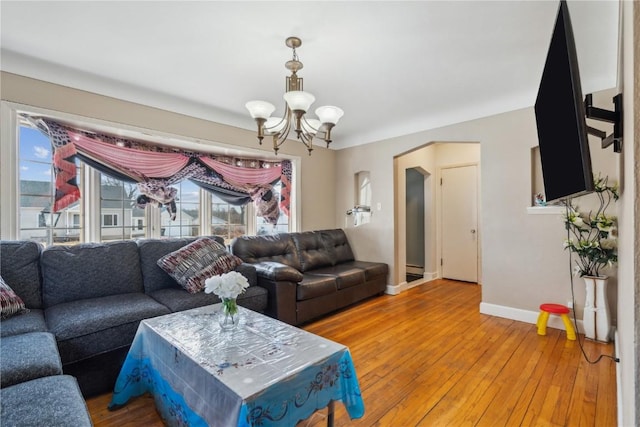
x=263 y=373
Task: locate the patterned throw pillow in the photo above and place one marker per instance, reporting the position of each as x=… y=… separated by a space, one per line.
x=11 y=303
x=192 y=264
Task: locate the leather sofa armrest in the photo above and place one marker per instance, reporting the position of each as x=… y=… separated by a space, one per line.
x=248 y=271
x=281 y=300
x=276 y=272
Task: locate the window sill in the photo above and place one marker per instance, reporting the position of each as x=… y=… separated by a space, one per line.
x=545 y=210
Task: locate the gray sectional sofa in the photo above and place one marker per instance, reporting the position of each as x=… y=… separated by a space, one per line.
x=310 y=274
x=85 y=303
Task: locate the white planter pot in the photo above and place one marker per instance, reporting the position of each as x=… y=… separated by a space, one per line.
x=589 y=314
x=596 y=318
x=603 y=317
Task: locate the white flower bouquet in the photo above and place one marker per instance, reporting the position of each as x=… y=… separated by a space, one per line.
x=592 y=236
x=227 y=286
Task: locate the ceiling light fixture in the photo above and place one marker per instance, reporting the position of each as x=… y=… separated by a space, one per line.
x=298 y=103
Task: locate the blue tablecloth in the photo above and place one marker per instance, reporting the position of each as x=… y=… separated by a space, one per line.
x=263 y=373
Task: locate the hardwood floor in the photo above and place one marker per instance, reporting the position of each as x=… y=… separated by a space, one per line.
x=427 y=357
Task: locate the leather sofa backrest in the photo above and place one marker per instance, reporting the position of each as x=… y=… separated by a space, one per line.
x=275 y=247
x=90 y=270
x=313 y=251
x=338 y=245
x=20 y=269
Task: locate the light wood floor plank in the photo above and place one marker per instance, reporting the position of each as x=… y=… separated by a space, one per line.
x=427 y=357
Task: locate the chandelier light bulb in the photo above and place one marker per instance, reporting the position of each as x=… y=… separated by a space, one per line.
x=260 y=109
x=298 y=100
x=274 y=125
x=329 y=114
x=311 y=126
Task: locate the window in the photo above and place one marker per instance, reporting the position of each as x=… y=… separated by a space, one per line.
x=228 y=221
x=187 y=216
x=36 y=217
x=282 y=226
x=118 y=209
x=107 y=209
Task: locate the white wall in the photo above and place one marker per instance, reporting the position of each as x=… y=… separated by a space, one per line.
x=628 y=336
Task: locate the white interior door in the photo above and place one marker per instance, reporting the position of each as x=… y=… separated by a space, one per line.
x=460 y=223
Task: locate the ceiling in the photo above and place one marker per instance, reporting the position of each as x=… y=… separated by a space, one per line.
x=394 y=67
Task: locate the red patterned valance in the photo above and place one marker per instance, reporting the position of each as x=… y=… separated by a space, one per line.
x=155 y=169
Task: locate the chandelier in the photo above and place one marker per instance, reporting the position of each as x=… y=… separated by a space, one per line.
x=298 y=103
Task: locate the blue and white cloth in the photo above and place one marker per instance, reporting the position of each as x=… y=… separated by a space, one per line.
x=263 y=373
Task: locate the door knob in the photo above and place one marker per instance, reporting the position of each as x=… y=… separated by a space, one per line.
x=473 y=231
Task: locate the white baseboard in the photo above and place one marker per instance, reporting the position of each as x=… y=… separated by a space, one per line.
x=401 y=287
x=396 y=289
x=430 y=275
x=523 y=315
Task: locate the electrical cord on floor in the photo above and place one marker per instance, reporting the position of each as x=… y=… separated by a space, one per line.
x=573 y=302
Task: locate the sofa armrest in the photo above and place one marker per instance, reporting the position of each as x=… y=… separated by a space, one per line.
x=248 y=271
x=281 y=299
x=277 y=272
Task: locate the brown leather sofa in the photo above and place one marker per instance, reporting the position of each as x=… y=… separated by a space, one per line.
x=309 y=274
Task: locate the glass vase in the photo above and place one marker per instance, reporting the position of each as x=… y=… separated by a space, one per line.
x=229 y=316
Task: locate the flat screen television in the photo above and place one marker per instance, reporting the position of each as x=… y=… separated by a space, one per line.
x=561 y=119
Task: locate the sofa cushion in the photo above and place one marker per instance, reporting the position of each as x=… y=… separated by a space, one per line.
x=10 y=303
x=253 y=298
x=151 y=250
x=312 y=250
x=20 y=268
x=313 y=286
x=33 y=321
x=271 y=248
x=192 y=264
x=372 y=270
x=88 y=327
x=338 y=245
x=346 y=276
x=90 y=270
x=53 y=401
x=28 y=356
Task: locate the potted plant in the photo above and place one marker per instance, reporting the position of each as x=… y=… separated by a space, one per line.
x=592 y=238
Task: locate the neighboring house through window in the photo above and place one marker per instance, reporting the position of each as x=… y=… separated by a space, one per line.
x=227 y=220
x=110 y=220
x=37 y=220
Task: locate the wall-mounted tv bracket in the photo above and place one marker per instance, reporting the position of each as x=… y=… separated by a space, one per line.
x=614 y=117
